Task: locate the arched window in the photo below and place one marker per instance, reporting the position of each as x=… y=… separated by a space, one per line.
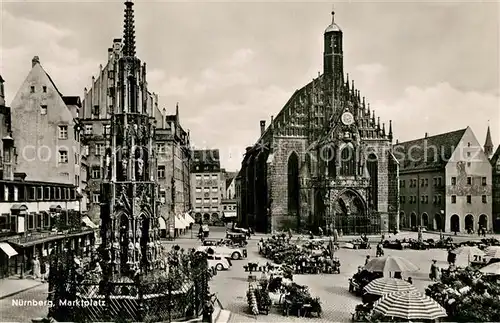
x=348 y=161
x=372 y=165
x=293 y=184
x=332 y=169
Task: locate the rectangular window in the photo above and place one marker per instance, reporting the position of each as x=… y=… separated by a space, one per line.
x=198 y=190
x=215 y=208
x=206 y=201
x=161 y=171
x=469 y=180
x=95 y=111
x=483 y=181
x=107 y=130
x=100 y=149
x=439 y=199
x=63 y=132
x=163 y=197
x=484 y=199
x=43 y=109
x=435 y=181
x=215 y=189
x=453 y=181
x=198 y=177
x=32 y=193
x=95 y=198
x=422 y=182
x=161 y=148
x=434 y=199
x=468 y=164
x=58 y=193
x=46 y=193
x=469 y=199
x=85 y=150
x=88 y=129
x=198 y=201
x=453 y=199
x=32 y=89
x=426 y=182
x=468 y=154
x=426 y=199
x=440 y=181
x=214 y=176
x=63 y=157
x=31 y=221
x=422 y=199
x=215 y=200
x=96 y=172
x=44 y=89
x=46 y=220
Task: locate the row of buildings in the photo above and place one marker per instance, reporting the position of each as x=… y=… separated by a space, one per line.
x=327 y=160
x=55 y=154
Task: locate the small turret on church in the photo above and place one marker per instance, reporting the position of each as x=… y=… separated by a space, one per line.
x=488 y=144
x=333 y=64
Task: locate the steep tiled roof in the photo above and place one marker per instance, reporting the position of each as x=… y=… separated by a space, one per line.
x=495 y=157
x=53 y=84
x=430 y=152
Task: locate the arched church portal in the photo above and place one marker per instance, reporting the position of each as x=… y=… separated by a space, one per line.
x=351 y=215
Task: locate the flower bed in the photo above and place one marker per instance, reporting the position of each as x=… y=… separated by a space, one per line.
x=468 y=296
x=313 y=258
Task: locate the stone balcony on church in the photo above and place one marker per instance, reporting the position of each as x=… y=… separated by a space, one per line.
x=337 y=182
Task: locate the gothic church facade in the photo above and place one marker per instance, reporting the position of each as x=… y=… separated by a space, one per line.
x=324 y=161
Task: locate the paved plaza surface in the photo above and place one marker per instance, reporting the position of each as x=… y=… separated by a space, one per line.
x=231 y=286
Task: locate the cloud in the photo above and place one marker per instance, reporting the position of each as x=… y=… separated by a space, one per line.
x=24 y=38
x=441 y=108
x=370 y=72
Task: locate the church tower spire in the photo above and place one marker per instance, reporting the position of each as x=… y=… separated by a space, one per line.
x=129 y=30
x=488 y=144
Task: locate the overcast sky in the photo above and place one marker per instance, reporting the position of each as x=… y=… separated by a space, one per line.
x=429 y=67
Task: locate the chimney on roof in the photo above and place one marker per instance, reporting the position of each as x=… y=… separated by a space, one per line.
x=426 y=135
x=35 y=60
x=262 y=126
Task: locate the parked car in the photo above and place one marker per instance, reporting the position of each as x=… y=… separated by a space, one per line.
x=234 y=253
x=216 y=261
x=219 y=262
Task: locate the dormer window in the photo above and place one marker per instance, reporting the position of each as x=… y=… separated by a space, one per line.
x=44 y=88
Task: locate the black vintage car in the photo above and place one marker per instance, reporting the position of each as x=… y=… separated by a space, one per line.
x=237 y=237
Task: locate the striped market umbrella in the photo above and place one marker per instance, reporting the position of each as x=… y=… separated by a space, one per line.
x=493 y=251
x=390 y=264
x=409 y=306
x=384 y=286
x=491 y=269
x=469 y=252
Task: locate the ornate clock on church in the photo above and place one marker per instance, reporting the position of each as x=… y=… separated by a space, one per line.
x=347 y=120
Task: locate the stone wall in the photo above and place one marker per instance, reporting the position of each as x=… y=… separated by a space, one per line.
x=278 y=179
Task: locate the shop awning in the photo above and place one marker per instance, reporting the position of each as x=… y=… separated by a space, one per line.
x=179 y=224
x=18 y=207
x=54 y=208
x=229 y=214
x=188 y=218
x=88 y=222
x=7 y=248
x=163 y=224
